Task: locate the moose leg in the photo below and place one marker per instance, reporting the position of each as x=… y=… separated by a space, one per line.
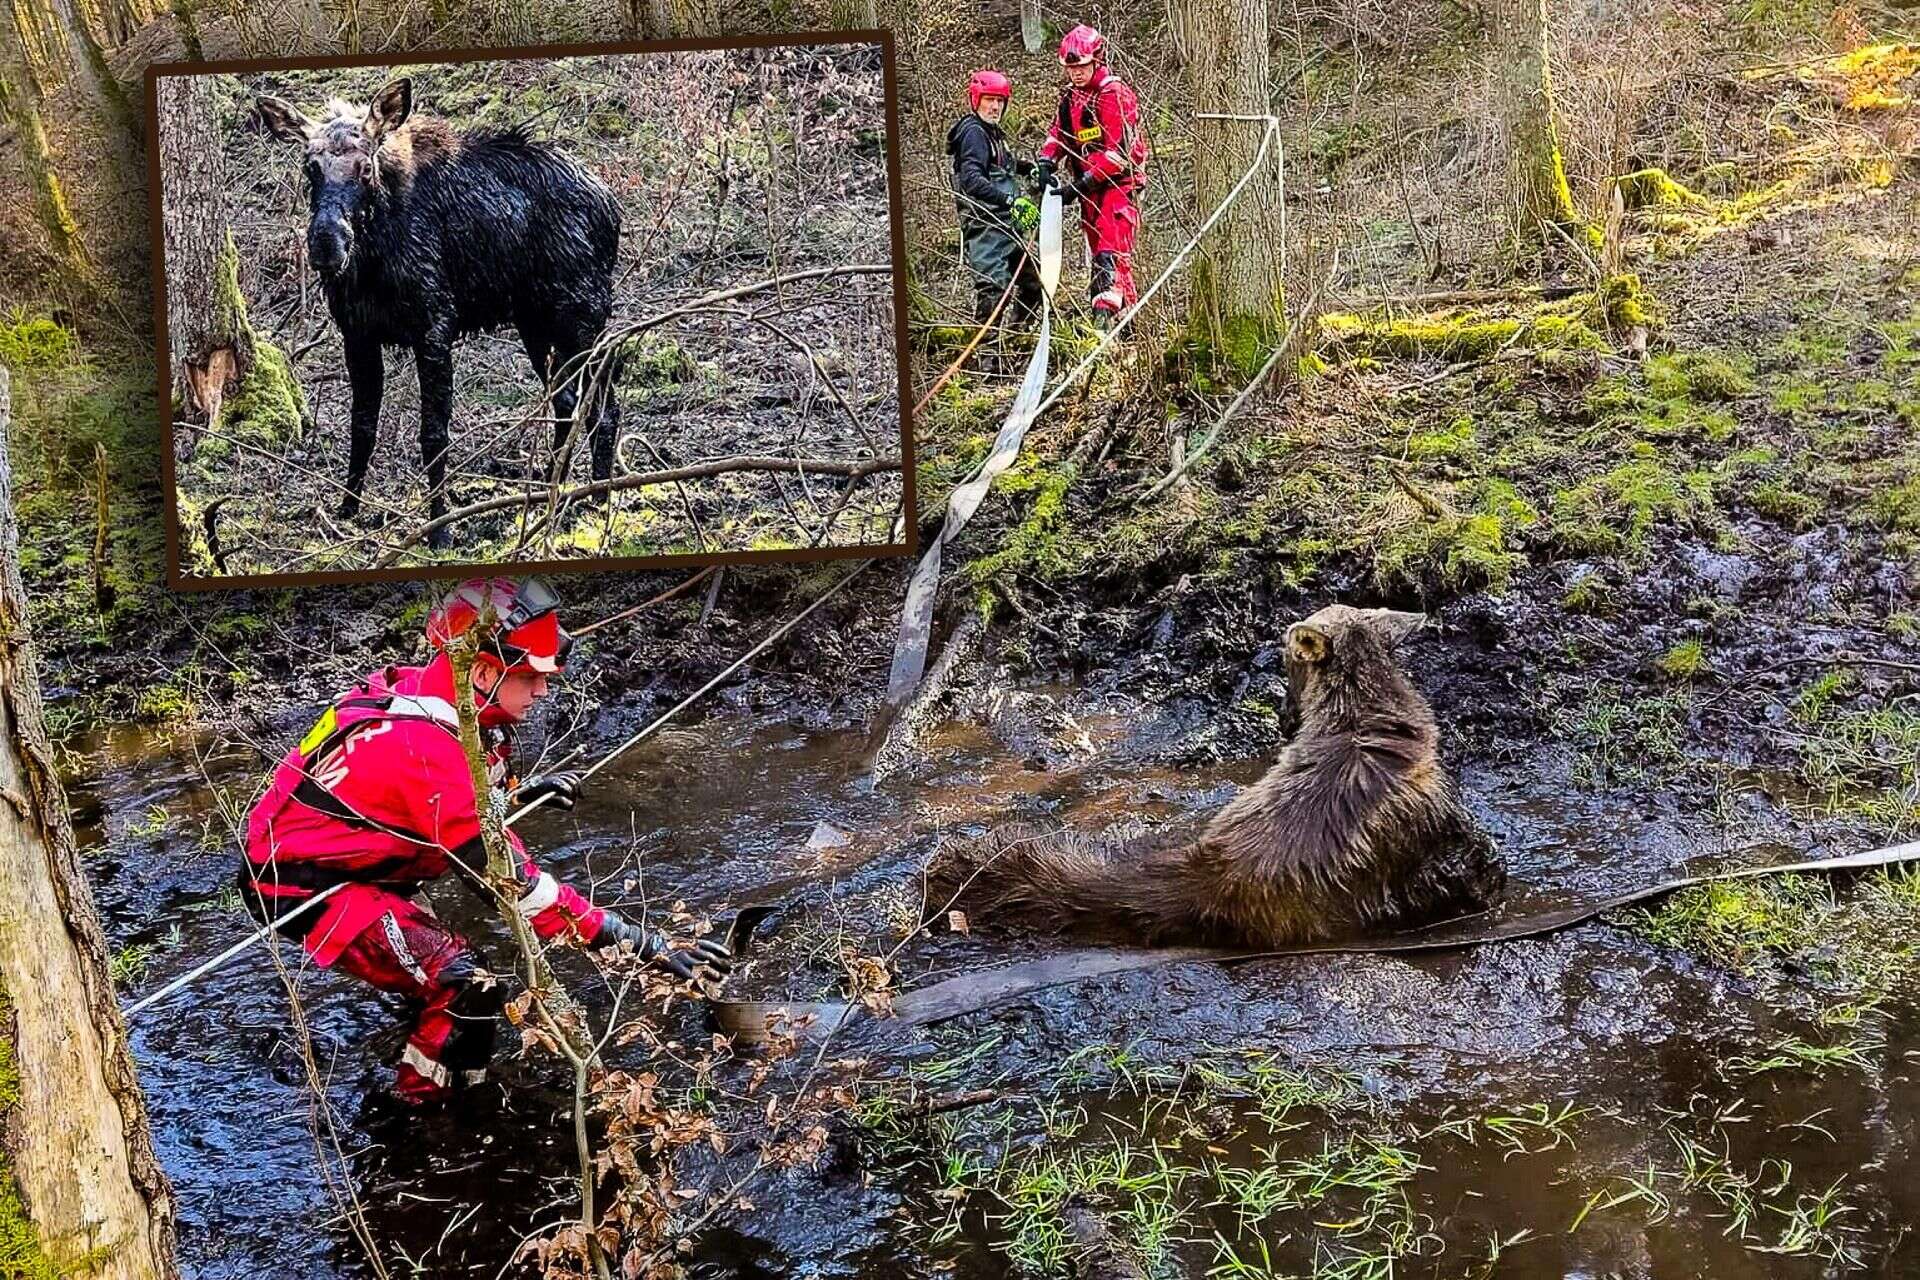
x=366 y=372
x=593 y=399
x=546 y=363
x=434 y=358
x=606 y=431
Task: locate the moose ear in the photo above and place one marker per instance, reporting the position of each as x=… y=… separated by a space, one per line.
x=283 y=120
x=391 y=107
x=1307 y=643
x=1396 y=624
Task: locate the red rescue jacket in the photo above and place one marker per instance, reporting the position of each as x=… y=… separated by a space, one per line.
x=379 y=793
x=1097 y=130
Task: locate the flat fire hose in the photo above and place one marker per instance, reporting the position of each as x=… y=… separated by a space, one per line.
x=752 y=1022
x=916 y=613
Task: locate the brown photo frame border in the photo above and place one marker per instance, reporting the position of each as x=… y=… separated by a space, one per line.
x=896 y=201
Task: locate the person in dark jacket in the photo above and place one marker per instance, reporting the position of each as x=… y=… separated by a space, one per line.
x=995 y=213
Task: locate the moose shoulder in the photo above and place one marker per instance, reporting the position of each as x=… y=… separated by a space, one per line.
x=421 y=233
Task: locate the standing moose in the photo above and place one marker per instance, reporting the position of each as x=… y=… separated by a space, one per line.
x=421 y=233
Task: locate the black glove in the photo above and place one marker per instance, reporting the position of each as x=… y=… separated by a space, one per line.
x=562 y=787
x=657 y=950
x=1042 y=175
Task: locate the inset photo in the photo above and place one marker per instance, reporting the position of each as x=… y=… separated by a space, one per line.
x=618 y=305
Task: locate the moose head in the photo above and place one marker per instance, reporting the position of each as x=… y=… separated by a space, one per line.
x=342 y=164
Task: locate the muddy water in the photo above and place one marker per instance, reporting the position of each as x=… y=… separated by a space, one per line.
x=1593 y=1016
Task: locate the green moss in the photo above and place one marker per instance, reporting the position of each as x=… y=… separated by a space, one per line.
x=1780 y=501
x=1588 y=595
x=1457 y=441
x=267 y=407
x=165 y=703
x=1618 y=510
x=1312 y=366
x=1722 y=177
x=1624 y=303
x=1645 y=188
x=1739 y=923
x=1455 y=337
x=1036 y=545
x=1699 y=375
x=1897 y=507
x=1904 y=624
x=33 y=344
x=1459 y=550
x=652 y=362
x=1686 y=660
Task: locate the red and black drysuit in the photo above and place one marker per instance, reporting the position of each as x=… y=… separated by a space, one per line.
x=1096 y=136
x=378 y=796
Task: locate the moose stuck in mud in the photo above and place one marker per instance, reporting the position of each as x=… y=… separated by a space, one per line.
x=422 y=235
x=1358 y=828
x=635 y=328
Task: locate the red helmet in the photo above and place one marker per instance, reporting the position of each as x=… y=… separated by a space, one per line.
x=987 y=84
x=1081 y=46
x=524 y=619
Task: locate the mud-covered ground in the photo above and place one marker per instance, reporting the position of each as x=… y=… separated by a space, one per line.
x=730 y=168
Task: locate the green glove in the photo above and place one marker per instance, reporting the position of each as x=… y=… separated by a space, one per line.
x=1025 y=214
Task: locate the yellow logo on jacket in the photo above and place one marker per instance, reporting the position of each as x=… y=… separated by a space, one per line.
x=318 y=734
x=1087 y=133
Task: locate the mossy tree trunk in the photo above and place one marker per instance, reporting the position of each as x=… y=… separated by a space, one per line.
x=84 y=43
x=1541 y=194
x=20 y=106
x=1235 y=297
x=209 y=340
x=686 y=17
x=76 y=1142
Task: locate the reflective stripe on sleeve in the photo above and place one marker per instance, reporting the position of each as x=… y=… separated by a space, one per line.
x=544 y=892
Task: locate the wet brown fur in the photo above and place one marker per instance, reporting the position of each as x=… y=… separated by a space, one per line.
x=1357 y=828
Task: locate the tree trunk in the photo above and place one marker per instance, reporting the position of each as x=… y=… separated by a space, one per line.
x=692 y=17
x=109 y=92
x=75 y=1142
x=1541 y=194
x=1032 y=30
x=208 y=339
x=20 y=106
x=855 y=15
x=1235 y=298
x=1179 y=30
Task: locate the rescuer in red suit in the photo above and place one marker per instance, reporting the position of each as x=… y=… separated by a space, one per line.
x=1096 y=152
x=378 y=796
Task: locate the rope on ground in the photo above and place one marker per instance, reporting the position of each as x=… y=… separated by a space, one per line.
x=1287 y=344
x=659 y=721
x=979 y=333
x=644 y=605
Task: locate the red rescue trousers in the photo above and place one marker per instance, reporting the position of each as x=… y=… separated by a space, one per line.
x=1109 y=218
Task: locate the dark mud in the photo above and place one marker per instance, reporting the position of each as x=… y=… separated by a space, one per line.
x=753 y=806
